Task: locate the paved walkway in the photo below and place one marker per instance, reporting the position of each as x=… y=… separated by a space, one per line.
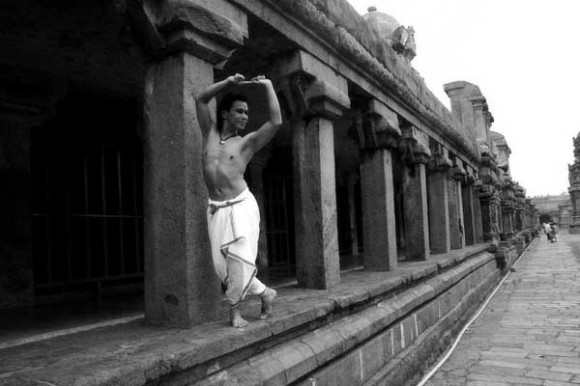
x=529 y=333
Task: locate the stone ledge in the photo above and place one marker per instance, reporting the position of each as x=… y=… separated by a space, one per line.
x=134 y=354
x=315 y=349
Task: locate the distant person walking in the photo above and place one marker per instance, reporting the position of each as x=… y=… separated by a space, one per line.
x=547 y=227
x=553 y=232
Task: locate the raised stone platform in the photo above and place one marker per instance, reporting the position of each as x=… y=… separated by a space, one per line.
x=373 y=326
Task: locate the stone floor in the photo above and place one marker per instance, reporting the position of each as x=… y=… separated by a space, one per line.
x=126 y=351
x=529 y=333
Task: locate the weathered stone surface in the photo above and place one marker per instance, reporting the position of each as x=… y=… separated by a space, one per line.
x=438 y=201
x=316 y=233
x=181 y=287
x=416 y=217
x=378 y=210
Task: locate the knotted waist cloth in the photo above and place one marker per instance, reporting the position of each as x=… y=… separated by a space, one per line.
x=234 y=229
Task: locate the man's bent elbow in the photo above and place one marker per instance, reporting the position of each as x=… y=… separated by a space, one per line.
x=201 y=98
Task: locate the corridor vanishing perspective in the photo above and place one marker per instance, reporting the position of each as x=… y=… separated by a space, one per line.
x=528 y=334
x=386 y=217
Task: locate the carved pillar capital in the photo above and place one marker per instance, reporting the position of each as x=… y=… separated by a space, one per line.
x=440 y=159
x=377 y=128
x=206 y=29
x=458 y=172
x=311 y=88
x=325 y=100
x=413 y=146
x=471 y=175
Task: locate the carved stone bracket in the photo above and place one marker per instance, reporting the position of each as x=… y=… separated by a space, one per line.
x=440 y=158
x=471 y=175
x=458 y=172
x=310 y=88
x=377 y=128
x=413 y=146
x=208 y=30
x=323 y=99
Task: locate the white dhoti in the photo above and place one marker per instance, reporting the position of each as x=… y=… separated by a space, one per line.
x=234 y=228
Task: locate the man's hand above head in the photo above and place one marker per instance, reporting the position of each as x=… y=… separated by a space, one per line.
x=236 y=79
x=260 y=79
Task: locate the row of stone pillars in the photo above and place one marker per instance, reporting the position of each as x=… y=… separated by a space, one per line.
x=440 y=211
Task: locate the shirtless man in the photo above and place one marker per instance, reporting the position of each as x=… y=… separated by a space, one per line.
x=233 y=216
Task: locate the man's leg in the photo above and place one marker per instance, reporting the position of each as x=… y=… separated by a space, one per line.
x=267 y=301
x=236 y=317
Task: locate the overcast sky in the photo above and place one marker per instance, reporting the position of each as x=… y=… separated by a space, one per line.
x=525 y=57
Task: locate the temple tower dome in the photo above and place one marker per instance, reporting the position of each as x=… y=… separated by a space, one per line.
x=383 y=24
x=392 y=33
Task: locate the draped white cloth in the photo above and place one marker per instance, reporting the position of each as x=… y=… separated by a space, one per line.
x=234 y=228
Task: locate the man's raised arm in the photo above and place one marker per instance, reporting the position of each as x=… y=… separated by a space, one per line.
x=260 y=138
x=204 y=97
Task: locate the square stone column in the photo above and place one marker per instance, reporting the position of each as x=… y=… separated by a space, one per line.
x=378 y=204
x=377 y=133
x=456 y=223
x=438 y=202
x=181 y=288
x=354 y=234
x=574 y=227
x=317 y=260
x=477 y=212
x=184 y=41
x=507 y=215
x=508 y=209
x=415 y=207
x=468 y=217
x=316 y=96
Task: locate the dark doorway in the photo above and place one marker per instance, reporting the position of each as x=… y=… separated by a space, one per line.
x=87 y=197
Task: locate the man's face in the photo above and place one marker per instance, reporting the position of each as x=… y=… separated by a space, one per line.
x=237 y=117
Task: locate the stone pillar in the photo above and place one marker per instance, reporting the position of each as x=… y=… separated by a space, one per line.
x=438 y=201
x=519 y=219
x=490 y=220
x=489 y=198
x=377 y=134
x=575 y=215
x=457 y=226
x=574 y=189
x=507 y=211
x=468 y=207
x=477 y=212
x=378 y=204
x=325 y=97
x=415 y=195
x=181 y=288
x=317 y=260
x=354 y=236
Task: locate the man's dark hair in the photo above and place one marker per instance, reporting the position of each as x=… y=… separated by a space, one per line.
x=226 y=104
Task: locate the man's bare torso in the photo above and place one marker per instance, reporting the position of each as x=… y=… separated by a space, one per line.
x=224 y=166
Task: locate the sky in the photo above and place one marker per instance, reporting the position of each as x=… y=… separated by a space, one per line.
x=525 y=57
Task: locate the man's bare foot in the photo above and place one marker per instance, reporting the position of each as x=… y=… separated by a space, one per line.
x=236 y=318
x=267 y=300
